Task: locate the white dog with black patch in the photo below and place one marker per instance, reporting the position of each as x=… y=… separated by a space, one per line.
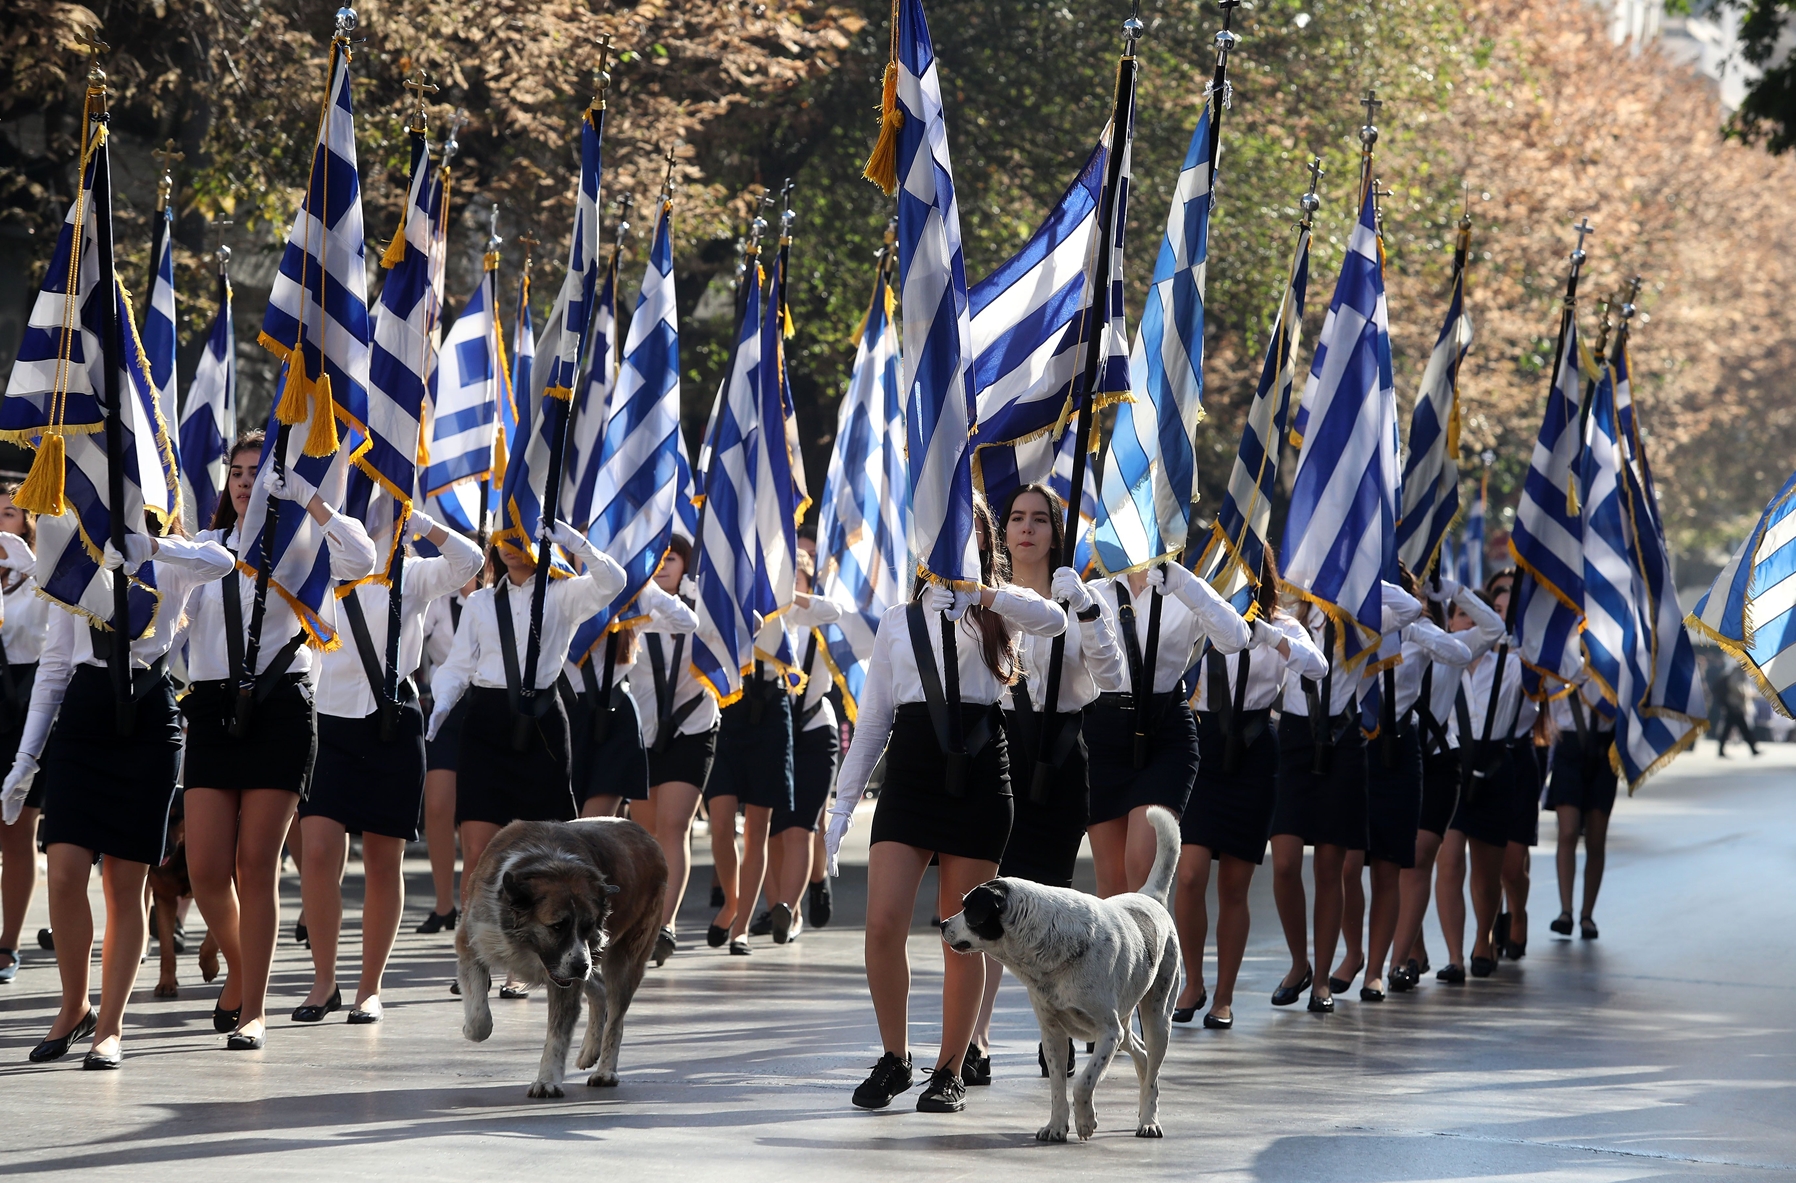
x=1089 y=964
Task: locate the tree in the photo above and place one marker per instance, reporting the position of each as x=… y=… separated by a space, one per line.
x=1768 y=116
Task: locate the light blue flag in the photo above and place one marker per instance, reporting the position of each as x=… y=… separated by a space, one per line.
x=209 y=419
x=1340 y=532
x=1750 y=609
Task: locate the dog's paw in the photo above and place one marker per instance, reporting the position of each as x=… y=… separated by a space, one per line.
x=167 y=990
x=602 y=1080
x=477 y=1028
x=586 y=1059
x=1055 y=1132
x=543 y=1089
x=1150 y=1130
x=1085 y=1125
x=208 y=965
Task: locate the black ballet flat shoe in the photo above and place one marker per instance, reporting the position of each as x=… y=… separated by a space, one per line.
x=514 y=992
x=739 y=947
x=366 y=1014
x=314 y=1012
x=821 y=902
x=46 y=940
x=665 y=945
x=1499 y=932
x=762 y=925
x=301 y=934
x=56 y=1049
x=1420 y=969
x=1451 y=974
x=1339 y=985
x=1483 y=967
x=1370 y=994
x=1321 y=1006
x=717 y=936
x=1286 y=995
x=439 y=922
x=1041 y=1057
x=239 y=1042
x=1562 y=925
x=1214 y=1023
x=1587 y=930
x=94 y=1061
x=225 y=1021
x=1515 y=950
x=1403 y=980
x=1183 y=1014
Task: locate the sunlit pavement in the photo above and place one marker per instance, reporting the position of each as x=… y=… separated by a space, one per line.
x=1662 y=1050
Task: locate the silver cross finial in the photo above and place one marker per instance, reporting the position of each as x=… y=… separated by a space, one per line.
x=1583 y=228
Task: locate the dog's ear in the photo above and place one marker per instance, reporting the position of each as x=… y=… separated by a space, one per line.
x=517 y=892
x=983 y=908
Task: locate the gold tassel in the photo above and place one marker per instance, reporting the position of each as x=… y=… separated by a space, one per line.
x=786 y=311
x=42 y=492
x=321 y=440
x=882 y=165
x=292 y=408
x=1571 y=498
x=395 y=252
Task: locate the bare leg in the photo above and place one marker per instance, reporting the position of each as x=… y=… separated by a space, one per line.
x=439 y=837
x=1383 y=925
x=725 y=858
x=963 y=974
x=1288 y=895
x=673 y=806
x=1487 y=888
x=1596 y=851
x=982 y=1030
x=1449 y=894
x=1233 y=878
x=794 y=846
x=894 y=873
x=127 y=936
x=296 y=846
x=1327 y=862
x=475 y=838
x=383 y=902
x=72 y=919
x=1191 y=915
x=18 y=878
x=1109 y=843
x=1353 y=914
x=1413 y=891
x=212 y=869
x=819 y=856
x=321 y=891
x=266 y=814
x=601 y=805
x=1517 y=860
x=1565 y=858
x=774 y=879
x=756 y=820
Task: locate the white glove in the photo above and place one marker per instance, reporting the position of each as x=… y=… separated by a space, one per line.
x=1448 y=590
x=688 y=587
x=1066 y=585
x=832 y=838
x=1170 y=579
x=422 y=523
x=436 y=724
x=138 y=549
x=17 y=556
x=18 y=784
x=942 y=599
x=652 y=599
x=1266 y=634
x=290 y=486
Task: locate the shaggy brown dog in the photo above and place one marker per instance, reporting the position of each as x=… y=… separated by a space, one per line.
x=572 y=906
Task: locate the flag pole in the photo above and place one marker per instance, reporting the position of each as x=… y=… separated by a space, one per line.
x=1096 y=335
x=490 y=261
x=558 y=437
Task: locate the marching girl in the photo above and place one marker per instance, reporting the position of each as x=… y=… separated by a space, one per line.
x=1581 y=791
x=106 y=796
x=369 y=774
x=956 y=809
x=499 y=780
x=1045 y=834
x=816 y=746
x=679 y=729
x=1230 y=815
x=1321 y=799
x=242 y=789
x=1143 y=738
x=1485 y=816
x=1472 y=622
x=441 y=619
x=23 y=619
x=1393 y=798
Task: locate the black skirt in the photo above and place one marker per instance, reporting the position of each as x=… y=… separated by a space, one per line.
x=606 y=756
x=104 y=793
x=440 y=753
x=15 y=701
x=814 y=756
x=1394 y=798
x=1440 y=790
x=685 y=758
x=1232 y=814
x=915 y=807
x=1582 y=776
x=496 y=783
x=1524 y=813
x=1487 y=803
x=1045 y=836
x=1327 y=809
x=754 y=756
x=1117 y=786
x=278 y=751
x=366 y=785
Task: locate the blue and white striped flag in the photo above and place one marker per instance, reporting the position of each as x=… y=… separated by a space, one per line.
x=1431 y=470
x=1236 y=550
x=592 y=407
x=472 y=385
x=1616 y=646
x=686 y=504
x=53 y=403
x=1340 y=532
x=780 y=498
x=1547 y=544
x=1750 y=609
x=317 y=322
x=209 y=420
x=514 y=411
x=728 y=606
x=1150 y=474
x=1472 y=563
x=939 y=393
x=159 y=317
x=861 y=527
x=636 y=490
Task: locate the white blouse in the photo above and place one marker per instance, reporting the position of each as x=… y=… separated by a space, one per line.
x=803 y=622
x=1481 y=638
x=892 y=677
x=683 y=683
x=1476 y=682
x=23 y=617
x=1092 y=664
x=662 y=612
x=1266 y=668
x=477 y=657
x=1577 y=675
x=351 y=557
x=1400 y=608
x=1182 y=629
x=343 y=690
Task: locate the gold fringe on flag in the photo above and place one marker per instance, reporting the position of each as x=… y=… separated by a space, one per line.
x=42 y=492
x=882 y=165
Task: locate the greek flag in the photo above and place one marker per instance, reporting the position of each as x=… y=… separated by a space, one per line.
x=1027 y=328
x=1473 y=538
x=592 y=408
x=861 y=524
x=1750 y=609
x=1547 y=544
x=636 y=489
x=54 y=403
x=209 y=420
x=1616 y=646
x=1236 y=550
x=729 y=609
x=515 y=409
x=1150 y=475
x=932 y=276
x=780 y=497
x=1431 y=471
x=317 y=322
x=686 y=504
x=464 y=423
x=1339 y=538
x=159 y=317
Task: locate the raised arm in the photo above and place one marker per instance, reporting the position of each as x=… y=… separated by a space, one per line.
x=1488 y=626
x=1399 y=607
x=1303 y=656
x=667 y=613
x=1220 y=622
x=1026 y=610
x=1437 y=643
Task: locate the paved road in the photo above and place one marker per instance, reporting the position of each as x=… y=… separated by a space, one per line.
x=1662 y=1051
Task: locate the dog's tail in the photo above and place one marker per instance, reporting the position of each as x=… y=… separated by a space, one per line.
x=1166 y=856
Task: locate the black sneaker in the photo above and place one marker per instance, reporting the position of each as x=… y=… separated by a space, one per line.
x=945 y=1093
x=761 y=925
x=821 y=904
x=976 y=1068
x=891 y=1076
